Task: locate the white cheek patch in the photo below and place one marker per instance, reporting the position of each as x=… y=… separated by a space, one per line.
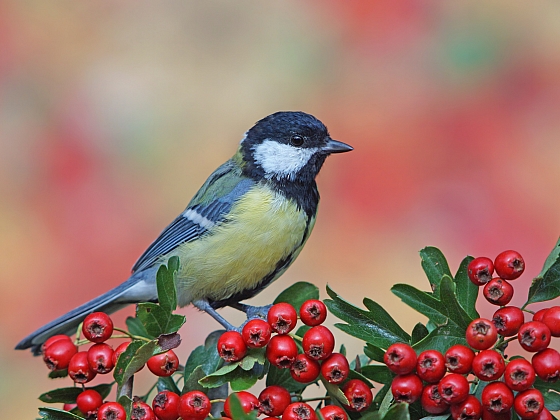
x=281 y=160
x=200 y=220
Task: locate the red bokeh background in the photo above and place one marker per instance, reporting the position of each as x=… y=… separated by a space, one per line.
x=113 y=114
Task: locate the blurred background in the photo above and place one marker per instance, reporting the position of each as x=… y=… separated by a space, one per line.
x=112 y=114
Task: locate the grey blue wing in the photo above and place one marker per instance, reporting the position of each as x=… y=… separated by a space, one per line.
x=208 y=208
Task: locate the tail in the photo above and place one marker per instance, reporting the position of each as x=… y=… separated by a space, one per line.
x=140 y=287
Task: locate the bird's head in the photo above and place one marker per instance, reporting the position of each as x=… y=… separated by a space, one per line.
x=288 y=147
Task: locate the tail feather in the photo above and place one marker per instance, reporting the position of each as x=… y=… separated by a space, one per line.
x=138 y=288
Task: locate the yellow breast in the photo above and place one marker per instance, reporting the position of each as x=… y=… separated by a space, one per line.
x=262 y=229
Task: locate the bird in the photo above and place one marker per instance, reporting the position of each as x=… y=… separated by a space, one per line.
x=240 y=232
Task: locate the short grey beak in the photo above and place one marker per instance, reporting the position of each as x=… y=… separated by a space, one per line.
x=335 y=146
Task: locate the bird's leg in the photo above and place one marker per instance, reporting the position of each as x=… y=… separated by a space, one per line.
x=253 y=312
x=205 y=306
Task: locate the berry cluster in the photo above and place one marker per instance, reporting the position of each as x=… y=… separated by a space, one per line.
x=441 y=381
x=61 y=353
x=316 y=359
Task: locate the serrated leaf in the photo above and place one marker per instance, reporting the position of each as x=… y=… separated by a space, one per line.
x=135 y=327
x=191 y=381
x=551 y=259
x=252 y=357
x=374 y=353
x=467 y=291
x=419 y=332
x=335 y=392
x=398 y=411
x=282 y=377
x=165 y=282
x=441 y=339
x=69 y=395
x=454 y=311
x=298 y=293
x=435 y=266
x=378 y=373
x=56 y=414
x=158 y=320
x=546 y=287
x=386 y=402
x=132 y=359
x=167 y=384
x=382 y=317
x=243 y=381
x=361 y=323
x=422 y=302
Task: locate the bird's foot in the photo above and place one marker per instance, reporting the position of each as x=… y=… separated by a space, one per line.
x=253 y=312
x=205 y=306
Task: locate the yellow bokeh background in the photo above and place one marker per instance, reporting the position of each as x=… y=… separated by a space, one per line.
x=112 y=114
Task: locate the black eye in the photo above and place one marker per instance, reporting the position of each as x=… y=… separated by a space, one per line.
x=296 y=140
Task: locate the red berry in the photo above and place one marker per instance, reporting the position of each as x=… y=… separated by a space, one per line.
x=111 y=411
x=89 y=401
x=194 y=405
x=498 y=291
x=79 y=369
x=508 y=320
x=547 y=364
x=273 y=400
x=358 y=393
x=481 y=334
x=318 y=342
x=488 y=365
x=545 y=415
x=256 y=333
x=400 y=358
x=305 y=369
x=335 y=369
x=528 y=404
x=57 y=356
x=539 y=315
x=281 y=351
x=97 y=327
x=163 y=364
x=431 y=400
x=333 y=412
x=69 y=407
x=534 y=336
x=141 y=411
x=480 y=270
x=231 y=346
x=430 y=366
x=509 y=265
x=166 y=405
x=299 y=411
x=54 y=339
x=282 y=317
x=470 y=408
x=487 y=415
x=453 y=388
x=458 y=359
x=100 y=358
x=406 y=388
x=551 y=319
x=519 y=375
x=248 y=402
x=313 y=312
x=497 y=398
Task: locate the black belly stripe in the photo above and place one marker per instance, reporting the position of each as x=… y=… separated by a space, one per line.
x=266 y=281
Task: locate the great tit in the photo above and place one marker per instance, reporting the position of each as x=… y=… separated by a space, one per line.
x=240 y=232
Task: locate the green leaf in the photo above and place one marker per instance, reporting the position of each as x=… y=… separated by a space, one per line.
x=374 y=353
x=467 y=291
x=422 y=302
x=243 y=381
x=192 y=381
x=237 y=410
x=398 y=411
x=382 y=317
x=69 y=395
x=253 y=356
x=335 y=392
x=442 y=338
x=133 y=358
x=135 y=327
x=551 y=400
x=62 y=373
x=551 y=259
x=56 y=414
x=419 y=332
x=165 y=282
x=454 y=311
x=435 y=266
x=362 y=324
x=378 y=373
x=126 y=402
x=298 y=293
x=546 y=287
x=158 y=320
x=282 y=377
x=386 y=402
x=167 y=384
